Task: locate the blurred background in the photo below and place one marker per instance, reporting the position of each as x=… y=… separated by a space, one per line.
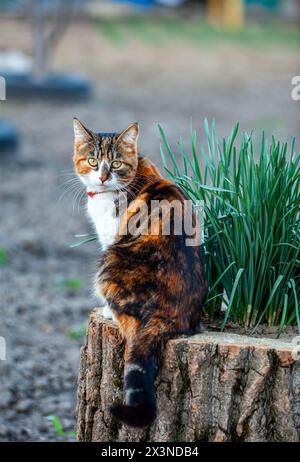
x=109 y=63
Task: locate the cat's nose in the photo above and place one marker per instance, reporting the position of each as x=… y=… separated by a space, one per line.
x=104 y=177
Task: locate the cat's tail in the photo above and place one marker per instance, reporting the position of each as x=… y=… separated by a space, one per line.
x=141 y=364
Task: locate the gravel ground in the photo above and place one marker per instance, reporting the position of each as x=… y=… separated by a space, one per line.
x=46 y=286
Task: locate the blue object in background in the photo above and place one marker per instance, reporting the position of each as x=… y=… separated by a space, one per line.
x=146 y=4
x=8 y=137
x=272 y=4
x=143 y=4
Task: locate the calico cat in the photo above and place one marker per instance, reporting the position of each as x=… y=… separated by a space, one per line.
x=153 y=283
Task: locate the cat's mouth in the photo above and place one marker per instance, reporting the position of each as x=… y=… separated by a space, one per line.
x=102 y=188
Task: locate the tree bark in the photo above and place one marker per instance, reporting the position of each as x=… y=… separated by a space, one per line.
x=211 y=387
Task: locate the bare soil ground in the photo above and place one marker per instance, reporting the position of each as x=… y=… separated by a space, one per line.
x=45 y=287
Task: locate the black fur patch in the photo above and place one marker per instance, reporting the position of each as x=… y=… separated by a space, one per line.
x=134 y=416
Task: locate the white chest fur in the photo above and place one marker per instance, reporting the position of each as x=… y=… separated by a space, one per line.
x=102 y=211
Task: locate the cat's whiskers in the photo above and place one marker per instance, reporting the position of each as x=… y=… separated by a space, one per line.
x=69 y=190
x=71 y=181
x=144 y=177
x=72 y=186
x=78 y=198
x=135 y=185
x=125 y=190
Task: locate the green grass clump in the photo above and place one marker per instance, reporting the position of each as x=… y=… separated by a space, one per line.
x=57 y=425
x=3 y=257
x=78 y=332
x=163 y=30
x=251 y=224
x=71 y=284
x=86 y=238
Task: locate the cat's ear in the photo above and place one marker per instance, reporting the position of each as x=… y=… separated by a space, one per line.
x=81 y=133
x=130 y=135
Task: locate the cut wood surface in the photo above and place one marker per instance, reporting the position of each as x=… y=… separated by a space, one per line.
x=211 y=387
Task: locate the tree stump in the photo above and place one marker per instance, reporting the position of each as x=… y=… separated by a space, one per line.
x=211 y=387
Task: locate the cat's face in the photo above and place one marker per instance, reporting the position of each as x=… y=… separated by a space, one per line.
x=105 y=162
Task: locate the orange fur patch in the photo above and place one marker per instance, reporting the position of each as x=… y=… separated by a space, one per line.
x=128 y=326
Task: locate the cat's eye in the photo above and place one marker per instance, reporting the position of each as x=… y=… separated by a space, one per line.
x=93 y=162
x=116 y=164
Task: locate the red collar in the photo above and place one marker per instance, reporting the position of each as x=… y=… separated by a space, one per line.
x=92 y=194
